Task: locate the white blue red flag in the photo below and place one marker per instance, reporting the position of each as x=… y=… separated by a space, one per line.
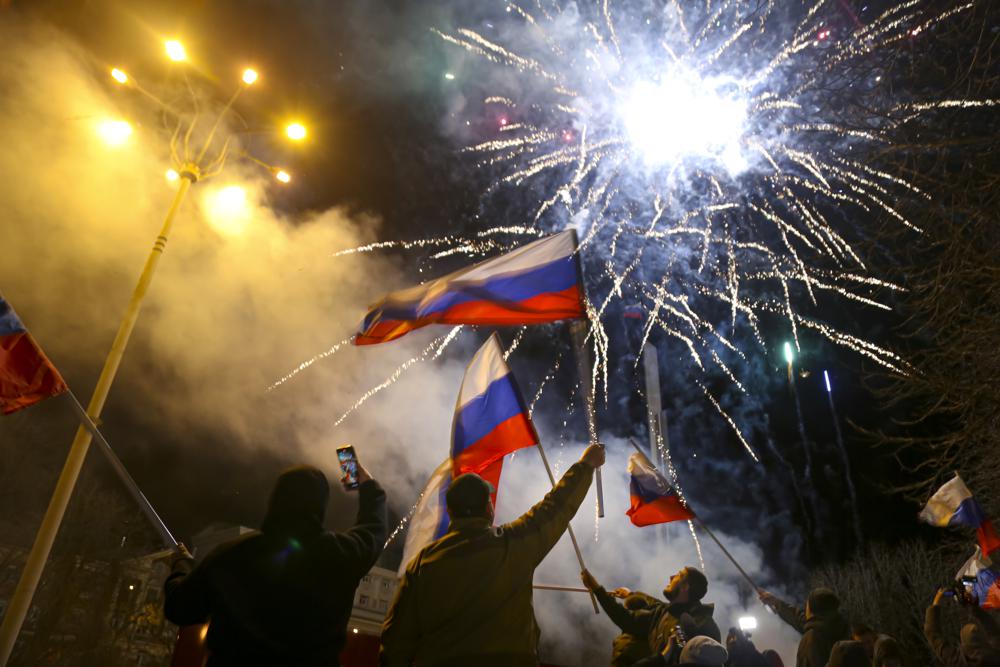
x=491 y=421
x=26 y=374
x=954 y=505
x=653 y=500
x=985 y=580
x=537 y=283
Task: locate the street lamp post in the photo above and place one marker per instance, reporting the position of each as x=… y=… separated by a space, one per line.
x=189 y=173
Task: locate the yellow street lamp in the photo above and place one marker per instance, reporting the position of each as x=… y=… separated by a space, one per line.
x=172 y=175
x=249 y=76
x=283 y=176
x=296 y=131
x=175 y=50
x=114 y=132
x=119 y=76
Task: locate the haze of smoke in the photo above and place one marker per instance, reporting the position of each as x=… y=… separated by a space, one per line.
x=226 y=314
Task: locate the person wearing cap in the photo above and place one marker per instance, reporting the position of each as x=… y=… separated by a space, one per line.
x=821 y=624
x=466 y=599
x=702 y=650
x=284 y=595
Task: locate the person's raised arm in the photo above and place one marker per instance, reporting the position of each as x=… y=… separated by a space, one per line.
x=363 y=543
x=946 y=651
x=637 y=622
x=790 y=614
x=186 y=594
x=541 y=527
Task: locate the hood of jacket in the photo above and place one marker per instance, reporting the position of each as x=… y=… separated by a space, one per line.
x=298 y=503
x=831 y=625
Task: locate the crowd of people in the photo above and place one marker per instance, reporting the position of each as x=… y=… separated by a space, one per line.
x=283 y=595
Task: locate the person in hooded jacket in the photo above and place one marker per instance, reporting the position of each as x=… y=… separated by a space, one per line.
x=282 y=596
x=659 y=624
x=821 y=624
x=979 y=644
x=466 y=598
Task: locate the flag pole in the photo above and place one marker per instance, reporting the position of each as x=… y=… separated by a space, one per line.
x=569 y=528
x=554 y=587
x=700 y=523
x=578 y=335
x=123 y=474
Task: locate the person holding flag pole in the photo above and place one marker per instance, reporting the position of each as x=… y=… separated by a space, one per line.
x=537 y=283
x=466 y=591
x=26 y=378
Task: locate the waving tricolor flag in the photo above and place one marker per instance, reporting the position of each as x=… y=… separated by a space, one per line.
x=653 y=499
x=491 y=421
x=953 y=505
x=537 y=283
x=985 y=580
x=26 y=374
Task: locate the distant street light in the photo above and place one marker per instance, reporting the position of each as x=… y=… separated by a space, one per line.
x=172 y=175
x=175 y=50
x=249 y=76
x=283 y=176
x=114 y=132
x=296 y=131
x=119 y=76
x=748 y=624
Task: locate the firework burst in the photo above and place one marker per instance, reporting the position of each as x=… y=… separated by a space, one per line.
x=711 y=154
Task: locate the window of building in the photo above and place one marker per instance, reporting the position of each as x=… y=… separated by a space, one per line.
x=363 y=600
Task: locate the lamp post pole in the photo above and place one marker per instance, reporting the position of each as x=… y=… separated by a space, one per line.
x=20 y=603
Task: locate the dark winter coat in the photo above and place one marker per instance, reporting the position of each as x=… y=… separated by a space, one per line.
x=978 y=646
x=848 y=654
x=819 y=633
x=627 y=649
x=742 y=653
x=466 y=599
x=282 y=596
x=658 y=624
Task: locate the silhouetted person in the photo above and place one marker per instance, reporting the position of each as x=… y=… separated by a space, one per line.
x=979 y=640
x=627 y=649
x=848 y=653
x=742 y=652
x=862 y=632
x=774 y=660
x=282 y=596
x=659 y=624
x=820 y=623
x=465 y=599
x=887 y=653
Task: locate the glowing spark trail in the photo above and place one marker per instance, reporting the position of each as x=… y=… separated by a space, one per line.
x=711 y=156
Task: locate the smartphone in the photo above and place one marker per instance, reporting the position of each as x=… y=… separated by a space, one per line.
x=349 y=465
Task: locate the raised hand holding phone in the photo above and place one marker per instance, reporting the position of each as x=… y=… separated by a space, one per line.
x=354 y=475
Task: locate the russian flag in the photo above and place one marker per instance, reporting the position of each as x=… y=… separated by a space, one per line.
x=537 y=283
x=986 y=580
x=26 y=374
x=953 y=505
x=491 y=419
x=653 y=500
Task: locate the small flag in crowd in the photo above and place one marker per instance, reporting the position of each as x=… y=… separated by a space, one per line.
x=653 y=499
x=953 y=505
x=26 y=374
x=986 y=580
x=537 y=283
x=490 y=422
